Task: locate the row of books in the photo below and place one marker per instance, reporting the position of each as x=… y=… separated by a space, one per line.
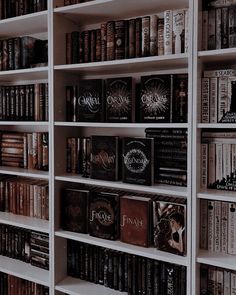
x=121 y=39
x=218 y=157
x=24 y=196
x=143 y=220
x=162 y=156
x=24 y=102
x=218 y=92
x=25 y=150
x=23 y=52
x=125 y=272
x=157 y=98
x=218 y=226
x=215 y=280
x=218 y=27
x=25 y=245
x=10 y=285
x=71 y=2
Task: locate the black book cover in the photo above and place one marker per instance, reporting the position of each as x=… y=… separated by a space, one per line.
x=138 y=158
x=180 y=98
x=90 y=101
x=119 y=100
x=156 y=98
x=74 y=208
x=104 y=215
x=27 y=51
x=104 y=157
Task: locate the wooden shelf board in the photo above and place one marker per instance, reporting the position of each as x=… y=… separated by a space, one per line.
x=24 y=172
x=218 y=195
x=24 y=270
x=24 y=74
x=104 y=10
x=218 y=55
x=24 y=24
x=24 y=222
x=156 y=189
x=150 y=252
x=73 y=286
x=132 y=65
x=217 y=259
x=121 y=125
x=216 y=125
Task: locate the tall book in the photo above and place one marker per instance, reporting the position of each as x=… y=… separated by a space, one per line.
x=104 y=215
x=156 y=98
x=104 y=157
x=137 y=160
x=178 y=37
x=120 y=99
x=169 y=227
x=90 y=101
x=74 y=210
x=135 y=220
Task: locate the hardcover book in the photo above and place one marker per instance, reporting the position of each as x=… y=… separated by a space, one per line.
x=155 y=98
x=138 y=158
x=135 y=223
x=119 y=100
x=74 y=210
x=180 y=98
x=104 y=215
x=104 y=157
x=90 y=101
x=169 y=221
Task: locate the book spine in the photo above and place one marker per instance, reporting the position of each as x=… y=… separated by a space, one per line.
x=120 y=39
x=222 y=97
x=211 y=29
x=219 y=164
x=98 y=45
x=103 y=41
x=153 y=35
x=146 y=36
x=205 y=30
x=233 y=283
x=92 y=45
x=213 y=100
x=203 y=225
x=160 y=36
x=225 y=28
x=211 y=226
x=233 y=158
x=224 y=226
x=219 y=73
x=110 y=40
x=186 y=31
x=217 y=224
x=178 y=31
x=86 y=46
x=138 y=37
x=220 y=281
x=218 y=28
x=232 y=228
x=232 y=26
x=211 y=164
x=226 y=160
x=168 y=28
x=205 y=100
x=227 y=278
x=204 y=159
x=131 y=37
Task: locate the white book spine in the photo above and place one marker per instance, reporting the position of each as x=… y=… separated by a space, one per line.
x=213 y=100
x=233 y=158
x=224 y=226
x=218 y=28
x=233 y=283
x=186 y=31
x=217 y=223
x=205 y=99
x=211 y=227
x=203 y=224
x=226 y=160
x=204 y=160
x=168 y=28
x=212 y=163
x=223 y=97
x=205 y=30
x=219 y=73
x=232 y=229
x=178 y=31
x=220 y=3
x=219 y=159
x=227 y=278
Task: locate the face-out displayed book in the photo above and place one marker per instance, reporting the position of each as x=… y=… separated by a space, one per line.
x=169 y=222
x=138 y=159
x=135 y=220
x=74 y=209
x=104 y=215
x=119 y=99
x=104 y=157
